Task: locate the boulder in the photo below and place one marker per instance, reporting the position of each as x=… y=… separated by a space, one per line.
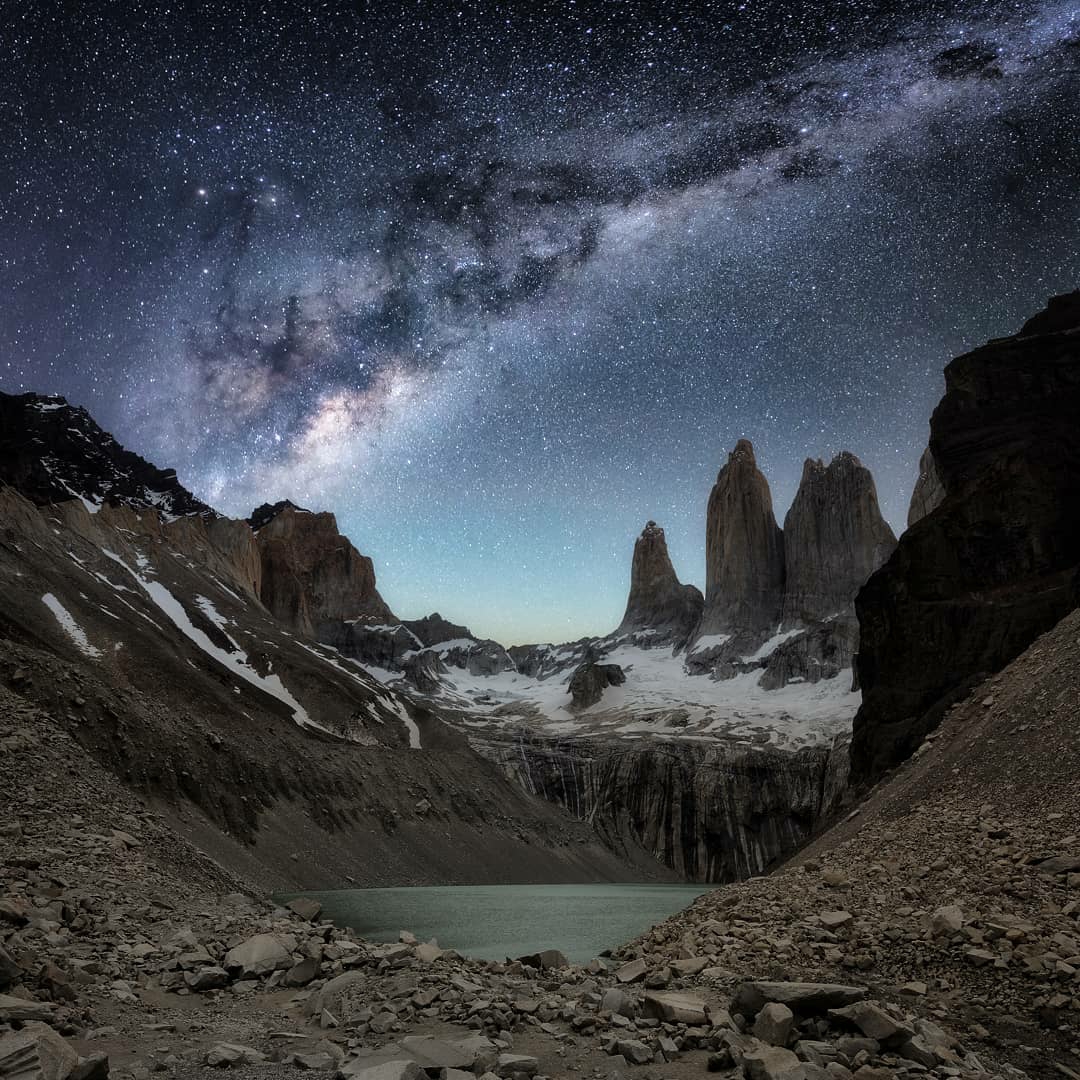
x=632 y=971
x=258 y=956
x=305 y=907
x=10 y=971
x=302 y=973
x=873 y=1021
x=676 y=1008
x=545 y=960
x=206 y=978
x=359 y=1069
x=514 y=1065
x=36 y=1053
x=774 y=1024
x=804 y=999
x=225 y=1055
x=634 y=1051
x=764 y=1062
x=16 y=1008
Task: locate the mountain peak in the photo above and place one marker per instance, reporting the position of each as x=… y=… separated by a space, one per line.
x=52 y=451
x=264 y=514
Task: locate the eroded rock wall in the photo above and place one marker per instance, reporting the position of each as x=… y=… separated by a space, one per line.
x=712 y=812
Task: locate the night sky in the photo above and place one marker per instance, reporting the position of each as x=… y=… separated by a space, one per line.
x=499 y=283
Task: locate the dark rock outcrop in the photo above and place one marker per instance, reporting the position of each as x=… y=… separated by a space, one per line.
x=658 y=601
x=819 y=652
x=928 y=491
x=313 y=579
x=997 y=563
x=433 y=629
x=744 y=551
x=588 y=683
x=834 y=539
x=51 y=451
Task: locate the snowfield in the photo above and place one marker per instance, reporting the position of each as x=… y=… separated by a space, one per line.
x=659 y=700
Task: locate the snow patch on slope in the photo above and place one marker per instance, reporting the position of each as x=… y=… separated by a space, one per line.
x=235 y=663
x=70 y=626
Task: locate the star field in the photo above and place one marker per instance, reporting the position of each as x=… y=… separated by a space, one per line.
x=498 y=283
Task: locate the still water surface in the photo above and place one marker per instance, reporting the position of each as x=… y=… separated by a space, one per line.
x=493 y=922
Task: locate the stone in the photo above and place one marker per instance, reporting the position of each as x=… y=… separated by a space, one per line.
x=329 y=997
x=873 y=1021
x=10 y=971
x=300 y=974
x=428 y=952
x=618 y=1001
x=770 y=1063
x=691 y=966
x=947 y=920
x=658 y=602
x=206 y=978
x=514 y=1065
x=305 y=907
x=804 y=999
x=16 y=1008
x=631 y=972
x=677 y=1008
x=634 y=1050
x=259 y=955
x=832 y=920
x=545 y=960
x=94 y=1066
x=387 y=1070
x=774 y=1024
x=37 y=1053
x=224 y=1055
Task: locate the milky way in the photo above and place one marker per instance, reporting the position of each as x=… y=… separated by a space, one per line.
x=497 y=287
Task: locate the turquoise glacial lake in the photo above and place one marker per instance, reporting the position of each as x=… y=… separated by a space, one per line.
x=492 y=922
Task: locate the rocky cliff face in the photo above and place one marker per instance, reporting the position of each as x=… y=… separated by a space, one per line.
x=744 y=551
x=313 y=579
x=998 y=562
x=834 y=539
x=712 y=812
x=928 y=491
x=433 y=629
x=658 y=601
x=51 y=451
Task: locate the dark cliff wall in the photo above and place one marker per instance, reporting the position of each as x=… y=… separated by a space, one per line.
x=711 y=812
x=997 y=563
